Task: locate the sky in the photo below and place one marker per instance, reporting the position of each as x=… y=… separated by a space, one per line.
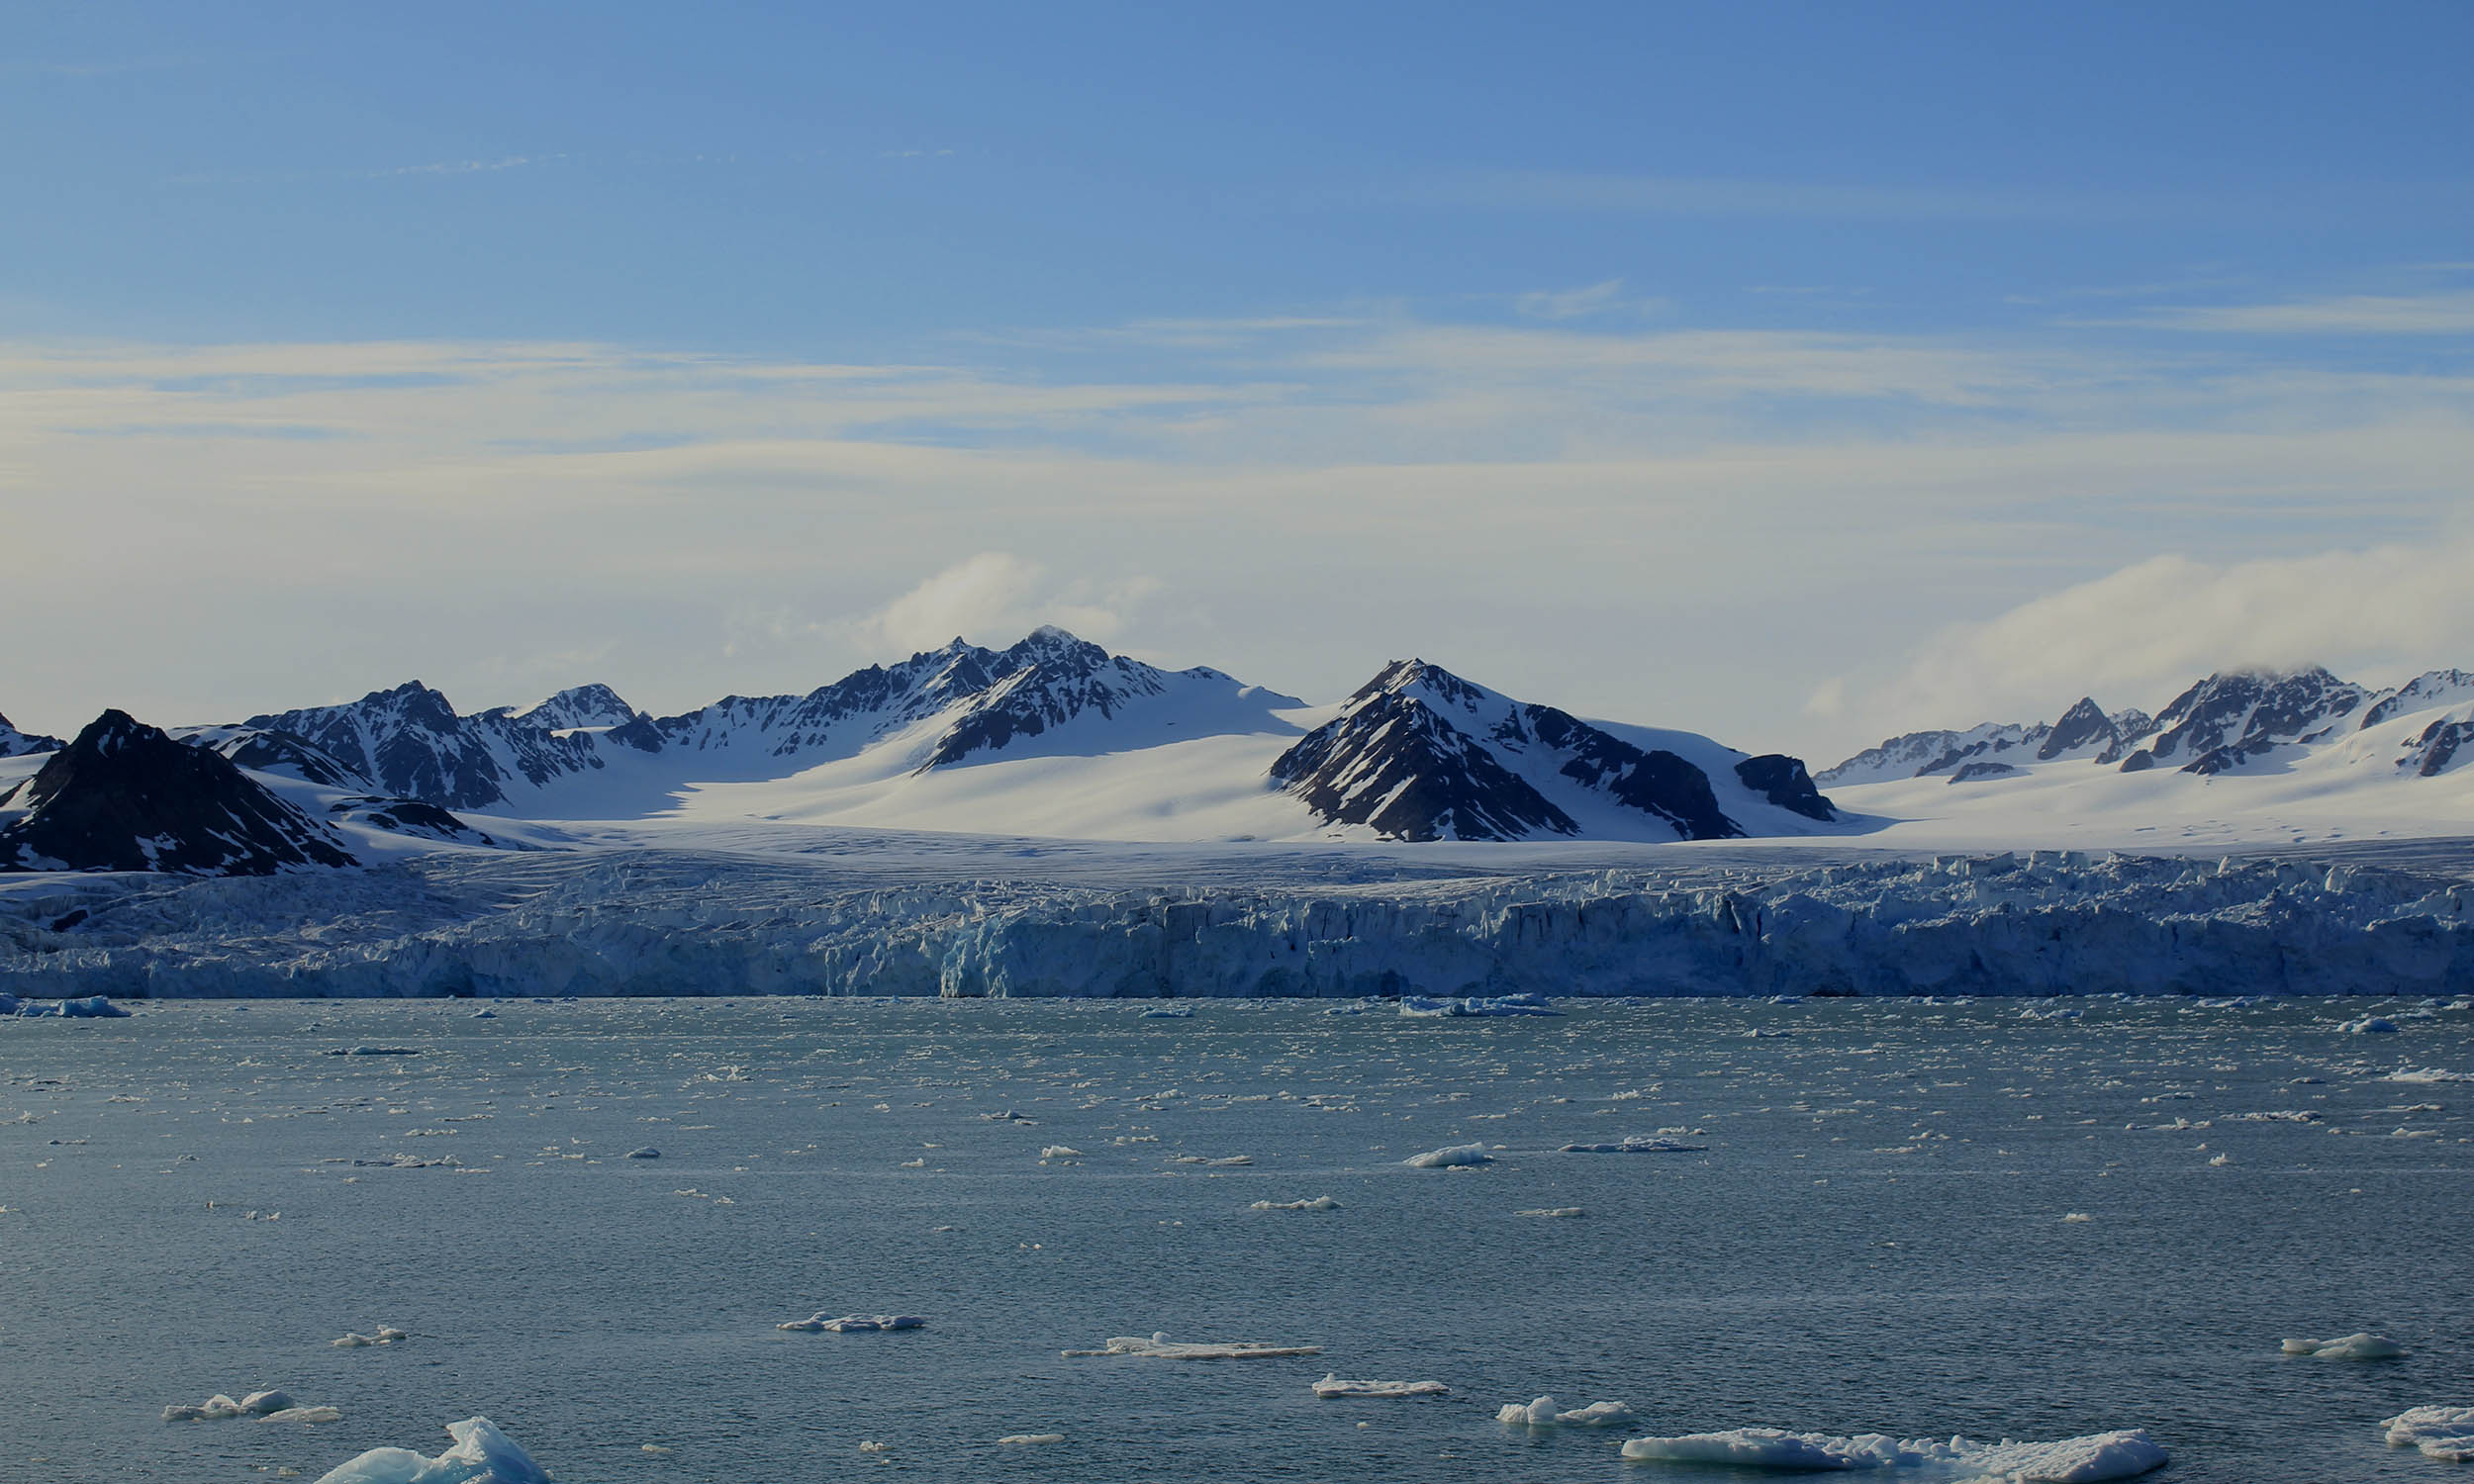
x=1796 y=374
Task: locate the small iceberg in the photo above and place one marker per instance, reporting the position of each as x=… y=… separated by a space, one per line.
x=824 y=1321
x=2361 y=1346
x=92 y=1007
x=220 y=1408
x=2442 y=1432
x=482 y=1454
x=2369 y=1025
x=1028 y=1439
x=354 y=1339
x=1420 y=1006
x=1319 y=1203
x=1450 y=1157
x=1566 y=1212
x=2071 y=1460
x=1545 y=1411
x=1177 y=1014
x=1332 y=1387
x=1635 y=1144
x=1159 y=1348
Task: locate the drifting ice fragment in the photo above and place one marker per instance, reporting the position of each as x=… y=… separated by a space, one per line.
x=1562 y=1211
x=1319 y=1203
x=1019 y=1440
x=2358 y=1346
x=1454 y=1156
x=1159 y=1348
x=1425 y=1007
x=2442 y=1432
x=220 y=1408
x=1331 y=1386
x=1544 y=1413
x=92 y=1007
x=823 y=1321
x=353 y=1338
x=482 y=1454
x=646 y=1152
x=2071 y=1460
x=2369 y=1025
x=1635 y=1145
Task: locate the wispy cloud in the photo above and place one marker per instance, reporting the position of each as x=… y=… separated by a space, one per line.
x=2448 y=314
x=1688 y=196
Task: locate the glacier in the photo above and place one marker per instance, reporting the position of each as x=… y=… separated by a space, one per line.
x=882 y=913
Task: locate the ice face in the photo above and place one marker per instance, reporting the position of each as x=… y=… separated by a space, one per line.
x=482 y=1454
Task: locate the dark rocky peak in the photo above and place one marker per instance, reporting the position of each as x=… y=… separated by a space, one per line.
x=1975 y=773
x=2440 y=746
x=126 y=797
x=2434 y=687
x=16 y=744
x=2084 y=727
x=269 y=751
x=1784 y=781
x=592 y=705
x=2249 y=712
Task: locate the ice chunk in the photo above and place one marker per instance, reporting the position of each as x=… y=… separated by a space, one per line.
x=2442 y=1432
x=1177 y=1014
x=1635 y=1144
x=646 y=1152
x=1562 y=1211
x=1545 y=1412
x=2357 y=1346
x=2071 y=1460
x=1159 y=1348
x=304 y=1415
x=1023 y=1439
x=220 y=1408
x=354 y=1339
x=1427 y=1007
x=482 y=1454
x=823 y=1321
x=1059 y=1152
x=1458 y=1155
x=1319 y=1203
x=2369 y=1025
x=1332 y=1387
x=92 y=1007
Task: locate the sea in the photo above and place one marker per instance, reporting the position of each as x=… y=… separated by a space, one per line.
x=1992 y=1218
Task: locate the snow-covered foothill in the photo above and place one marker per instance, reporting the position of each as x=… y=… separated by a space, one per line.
x=2357 y=1346
x=482 y=1454
x=824 y=1320
x=1546 y=1412
x=1159 y=1347
x=2442 y=1432
x=1332 y=1387
x=2071 y=1460
x=1450 y=1157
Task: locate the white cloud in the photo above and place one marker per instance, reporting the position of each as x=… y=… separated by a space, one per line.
x=994 y=597
x=2137 y=635
x=2345 y=314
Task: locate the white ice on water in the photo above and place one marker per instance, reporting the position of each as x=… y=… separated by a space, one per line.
x=91 y=1007
x=2357 y=1346
x=1546 y=1412
x=482 y=1454
x=1332 y=1387
x=824 y=1320
x=1450 y=1157
x=2442 y=1432
x=220 y=1408
x=1318 y=1203
x=2070 y=1460
x=354 y=1340
x=1159 y=1347
x=1635 y=1144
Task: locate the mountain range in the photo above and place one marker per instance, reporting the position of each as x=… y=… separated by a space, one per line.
x=1051 y=735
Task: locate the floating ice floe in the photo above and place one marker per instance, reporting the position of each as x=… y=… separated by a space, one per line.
x=1027 y=1439
x=220 y=1408
x=2369 y=1025
x=2360 y=1346
x=1635 y=1144
x=1456 y=1155
x=2070 y=1460
x=1177 y=1014
x=92 y=1007
x=1318 y=1203
x=2428 y=1075
x=1562 y=1211
x=2442 y=1432
x=1427 y=1007
x=823 y=1321
x=1229 y=1161
x=1059 y=1152
x=482 y=1454
x=386 y=1335
x=646 y=1152
x=1331 y=1387
x=1159 y=1347
x=1545 y=1411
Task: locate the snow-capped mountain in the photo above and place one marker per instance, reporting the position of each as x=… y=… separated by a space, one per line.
x=592 y=705
x=2084 y=730
x=16 y=744
x=409 y=743
x=1418 y=752
x=2229 y=719
x=126 y=797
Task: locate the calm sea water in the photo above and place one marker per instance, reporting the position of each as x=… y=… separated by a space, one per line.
x=199 y=1199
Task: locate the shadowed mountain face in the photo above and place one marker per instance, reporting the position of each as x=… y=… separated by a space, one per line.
x=1420 y=754
x=16 y=744
x=126 y=797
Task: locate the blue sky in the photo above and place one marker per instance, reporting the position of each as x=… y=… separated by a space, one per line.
x=1741 y=367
